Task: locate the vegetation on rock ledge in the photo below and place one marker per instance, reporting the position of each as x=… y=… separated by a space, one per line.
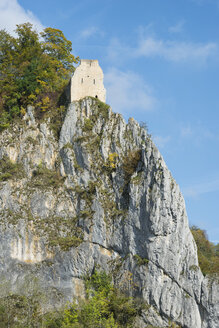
x=103 y=306
x=43 y=177
x=34 y=70
x=130 y=163
x=208 y=253
x=9 y=170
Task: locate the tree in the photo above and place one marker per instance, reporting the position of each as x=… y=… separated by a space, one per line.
x=59 y=49
x=208 y=254
x=33 y=71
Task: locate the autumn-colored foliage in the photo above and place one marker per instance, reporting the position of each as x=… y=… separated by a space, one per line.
x=208 y=253
x=130 y=163
x=34 y=68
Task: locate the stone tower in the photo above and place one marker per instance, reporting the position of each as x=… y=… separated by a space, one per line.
x=87 y=80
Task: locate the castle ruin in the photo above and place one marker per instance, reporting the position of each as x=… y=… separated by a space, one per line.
x=87 y=80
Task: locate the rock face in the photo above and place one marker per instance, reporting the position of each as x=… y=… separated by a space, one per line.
x=100 y=196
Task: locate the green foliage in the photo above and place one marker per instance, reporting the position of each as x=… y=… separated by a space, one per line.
x=137 y=179
x=19 y=311
x=11 y=306
x=94 y=313
x=34 y=70
x=66 y=242
x=216 y=249
x=103 y=109
x=208 y=254
x=124 y=309
x=5 y=119
x=10 y=170
x=88 y=125
x=103 y=307
x=59 y=49
x=31 y=140
x=140 y=260
x=44 y=177
x=99 y=282
x=117 y=306
x=52 y=320
x=60 y=231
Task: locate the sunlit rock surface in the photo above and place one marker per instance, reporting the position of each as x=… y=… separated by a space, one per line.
x=99 y=197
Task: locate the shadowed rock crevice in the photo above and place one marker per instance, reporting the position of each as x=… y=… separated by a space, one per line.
x=101 y=196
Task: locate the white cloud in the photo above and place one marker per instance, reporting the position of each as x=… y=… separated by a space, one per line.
x=175 y=51
x=127 y=91
x=178 y=28
x=201 y=188
x=90 y=32
x=118 y=52
x=161 y=141
x=11 y=13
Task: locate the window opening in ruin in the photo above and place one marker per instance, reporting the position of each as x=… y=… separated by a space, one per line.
x=94 y=81
x=82 y=80
x=96 y=96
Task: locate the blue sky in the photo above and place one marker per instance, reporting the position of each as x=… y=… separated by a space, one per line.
x=161 y=65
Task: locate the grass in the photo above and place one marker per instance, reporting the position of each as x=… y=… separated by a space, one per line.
x=140 y=261
x=68 y=145
x=88 y=125
x=136 y=180
x=65 y=243
x=10 y=170
x=44 y=177
x=60 y=231
x=86 y=214
x=103 y=108
x=31 y=140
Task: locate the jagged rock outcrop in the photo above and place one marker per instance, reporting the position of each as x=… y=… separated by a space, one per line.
x=100 y=196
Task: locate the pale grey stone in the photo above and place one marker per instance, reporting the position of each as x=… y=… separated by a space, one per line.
x=145 y=216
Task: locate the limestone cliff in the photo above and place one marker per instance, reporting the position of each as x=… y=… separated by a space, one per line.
x=100 y=196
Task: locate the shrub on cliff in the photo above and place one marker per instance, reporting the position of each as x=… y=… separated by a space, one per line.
x=34 y=69
x=208 y=254
x=104 y=306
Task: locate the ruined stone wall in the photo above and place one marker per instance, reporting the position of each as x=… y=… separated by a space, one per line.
x=88 y=81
